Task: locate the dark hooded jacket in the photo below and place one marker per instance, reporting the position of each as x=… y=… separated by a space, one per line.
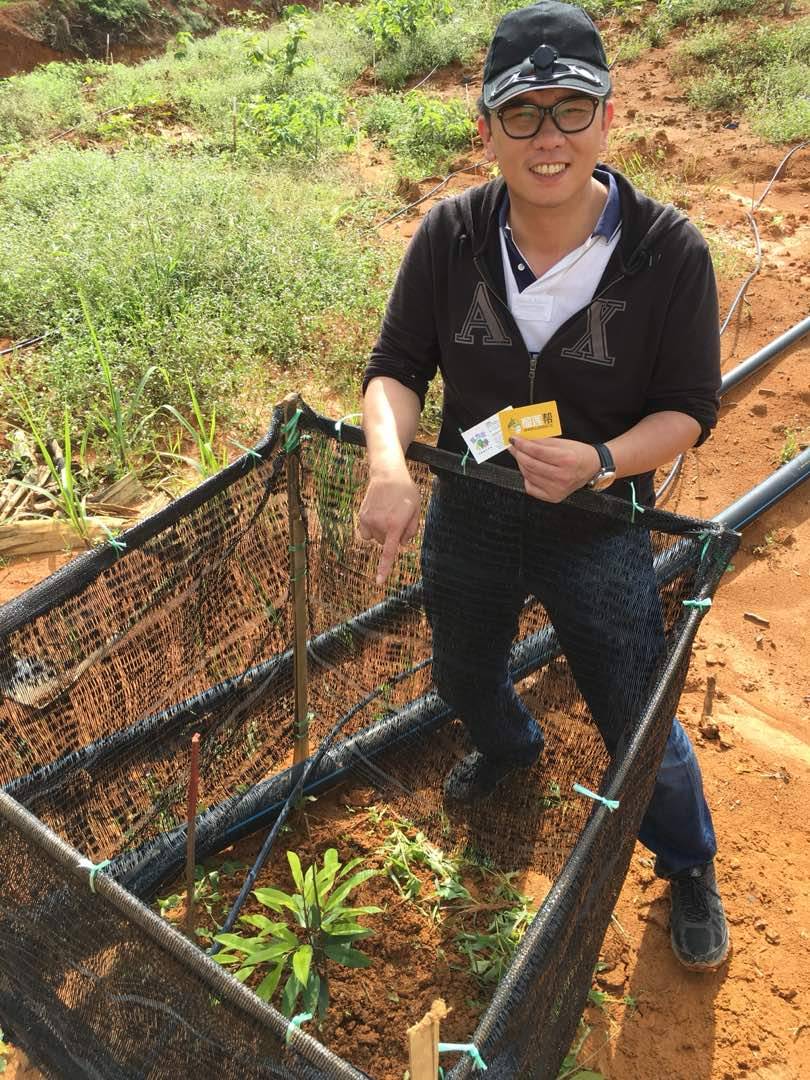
x=647 y=342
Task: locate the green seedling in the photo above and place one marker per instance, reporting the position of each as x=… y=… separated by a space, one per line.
x=122 y=424
x=203 y=432
x=320 y=925
x=207 y=894
x=790 y=447
x=67 y=498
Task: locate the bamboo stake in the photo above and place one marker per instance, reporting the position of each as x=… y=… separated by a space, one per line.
x=423 y=1043
x=191 y=831
x=298 y=572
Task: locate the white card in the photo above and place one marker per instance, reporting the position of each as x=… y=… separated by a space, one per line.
x=485 y=439
x=533 y=307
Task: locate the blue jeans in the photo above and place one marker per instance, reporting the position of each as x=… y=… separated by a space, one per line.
x=484 y=551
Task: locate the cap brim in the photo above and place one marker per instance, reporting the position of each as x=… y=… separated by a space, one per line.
x=566 y=74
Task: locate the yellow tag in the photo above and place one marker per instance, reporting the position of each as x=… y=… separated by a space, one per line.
x=537 y=421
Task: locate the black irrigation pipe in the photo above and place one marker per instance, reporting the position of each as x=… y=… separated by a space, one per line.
x=747 y=367
x=766 y=494
x=738 y=374
x=264 y=677
x=27 y=343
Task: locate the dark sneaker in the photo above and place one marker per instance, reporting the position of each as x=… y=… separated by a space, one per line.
x=475 y=777
x=698 y=926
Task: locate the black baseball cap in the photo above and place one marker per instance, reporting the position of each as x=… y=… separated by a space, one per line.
x=544 y=46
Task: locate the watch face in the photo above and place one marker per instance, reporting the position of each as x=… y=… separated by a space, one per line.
x=603 y=479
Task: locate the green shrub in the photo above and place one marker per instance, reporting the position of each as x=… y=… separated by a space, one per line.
x=423 y=132
x=43 y=101
x=718 y=90
x=297 y=127
x=120 y=13
x=196 y=266
x=388 y=22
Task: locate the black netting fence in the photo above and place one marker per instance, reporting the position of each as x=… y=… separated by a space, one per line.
x=186 y=624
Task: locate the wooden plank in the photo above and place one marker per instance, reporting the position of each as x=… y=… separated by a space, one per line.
x=41 y=537
x=423 y=1043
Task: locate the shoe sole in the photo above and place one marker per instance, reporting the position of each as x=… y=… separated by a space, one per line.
x=708 y=968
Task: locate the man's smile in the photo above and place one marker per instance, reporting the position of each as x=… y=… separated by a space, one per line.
x=549 y=169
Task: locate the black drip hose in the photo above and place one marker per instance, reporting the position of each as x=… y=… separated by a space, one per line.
x=674 y=472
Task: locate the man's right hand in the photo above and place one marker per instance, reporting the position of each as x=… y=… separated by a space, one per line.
x=389 y=515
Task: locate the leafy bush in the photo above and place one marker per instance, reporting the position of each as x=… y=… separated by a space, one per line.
x=120 y=13
x=31 y=104
x=191 y=264
x=297 y=127
x=423 y=132
x=387 y=22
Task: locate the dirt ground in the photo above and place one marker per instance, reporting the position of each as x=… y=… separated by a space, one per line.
x=752 y=1019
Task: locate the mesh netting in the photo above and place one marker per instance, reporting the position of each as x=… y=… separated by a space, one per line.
x=108 y=667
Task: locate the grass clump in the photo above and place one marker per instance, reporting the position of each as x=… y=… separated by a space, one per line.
x=766 y=73
x=34 y=105
x=122 y=14
x=192 y=265
x=425 y=133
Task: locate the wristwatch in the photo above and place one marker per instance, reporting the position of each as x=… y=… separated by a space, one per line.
x=607 y=469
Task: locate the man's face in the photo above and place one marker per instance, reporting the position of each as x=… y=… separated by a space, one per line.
x=550 y=170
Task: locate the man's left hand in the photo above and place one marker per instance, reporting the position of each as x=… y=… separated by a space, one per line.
x=553 y=468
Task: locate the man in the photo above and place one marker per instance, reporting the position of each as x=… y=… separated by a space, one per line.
x=558 y=282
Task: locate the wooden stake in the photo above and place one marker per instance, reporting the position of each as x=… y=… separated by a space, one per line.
x=191 y=831
x=423 y=1043
x=298 y=572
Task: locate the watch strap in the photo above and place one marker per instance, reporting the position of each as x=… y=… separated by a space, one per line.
x=606 y=462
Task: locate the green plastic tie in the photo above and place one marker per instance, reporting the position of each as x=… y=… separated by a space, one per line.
x=297 y=577
x=706 y=603
x=339 y=423
x=636 y=506
x=94 y=868
x=611 y=804
x=291 y=435
x=464 y=459
x=706 y=538
x=295 y=1024
x=249 y=450
x=297 y=547
x=302 y=728
x=118 y=546
x=464 y=1048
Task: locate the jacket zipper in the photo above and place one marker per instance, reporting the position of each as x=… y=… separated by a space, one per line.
x=534 y=358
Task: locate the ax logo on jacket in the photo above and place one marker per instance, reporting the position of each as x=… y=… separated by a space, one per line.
x=481 y=316
x=593 y=346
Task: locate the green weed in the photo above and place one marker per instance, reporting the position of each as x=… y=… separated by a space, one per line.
x=122 y=14
x=203 y=433
x=489 y=949
x=320 y=926
x=424 y=133
x=62 y=473
x=195 y=265
x=790 y=447
x=766 y=73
